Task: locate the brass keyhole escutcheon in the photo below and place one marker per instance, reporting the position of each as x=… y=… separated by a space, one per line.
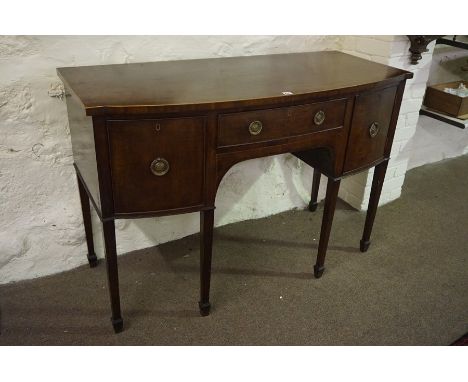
x=159 y=166
x=255 y=127
x=374 y=129
x=319 y=117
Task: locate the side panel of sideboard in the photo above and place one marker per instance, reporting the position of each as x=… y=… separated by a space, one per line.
x=82 y=138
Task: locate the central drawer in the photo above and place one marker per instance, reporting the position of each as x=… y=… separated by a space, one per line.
x=271 y=124
x=156 y=164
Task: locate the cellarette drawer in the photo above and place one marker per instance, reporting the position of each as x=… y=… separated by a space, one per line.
x=369 y=128
x=156 y=164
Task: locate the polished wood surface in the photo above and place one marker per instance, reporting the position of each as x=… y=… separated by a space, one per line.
x=377 y=184
x=110 y=247
x=135 y=144
x=315 y=190
x=206 y=248
x=279 y=122
x=208 y=84
x=161 y=136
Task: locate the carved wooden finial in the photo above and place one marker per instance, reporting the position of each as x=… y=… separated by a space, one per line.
x=418 y=46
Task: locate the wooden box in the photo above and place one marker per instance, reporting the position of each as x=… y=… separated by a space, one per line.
x=447 y=103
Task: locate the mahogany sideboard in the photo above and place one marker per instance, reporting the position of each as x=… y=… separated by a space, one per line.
x=152 y=139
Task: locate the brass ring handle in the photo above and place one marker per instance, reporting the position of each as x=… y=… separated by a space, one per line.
x=159 y=166
x=374 y=129
x=319 y=117
x=255 y=127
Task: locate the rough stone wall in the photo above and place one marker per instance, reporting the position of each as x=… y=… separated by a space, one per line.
x=40 y=219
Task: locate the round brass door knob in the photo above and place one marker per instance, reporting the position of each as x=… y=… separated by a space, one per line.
x=374 y=129
x=319 y=117
x=159 y=166
x=255 y=127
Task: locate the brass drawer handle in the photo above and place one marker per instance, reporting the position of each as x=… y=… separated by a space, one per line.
x=255 y=127
x=159 y=166
x=374 y=129
x=319 y=117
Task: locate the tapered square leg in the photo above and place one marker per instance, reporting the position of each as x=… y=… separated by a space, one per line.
x=333 y=186
x=108 y=228
x=377 y=183
x=206 y=245
x=315 y=189
x=86 y=211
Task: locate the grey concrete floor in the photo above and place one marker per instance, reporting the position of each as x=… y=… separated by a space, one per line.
x=410 y=288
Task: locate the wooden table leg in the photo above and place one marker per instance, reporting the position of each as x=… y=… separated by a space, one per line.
x=333 y=186
x=86 y=211
x=315 y=189
x=206 y=246
x=112 y=273
x=377 y=183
